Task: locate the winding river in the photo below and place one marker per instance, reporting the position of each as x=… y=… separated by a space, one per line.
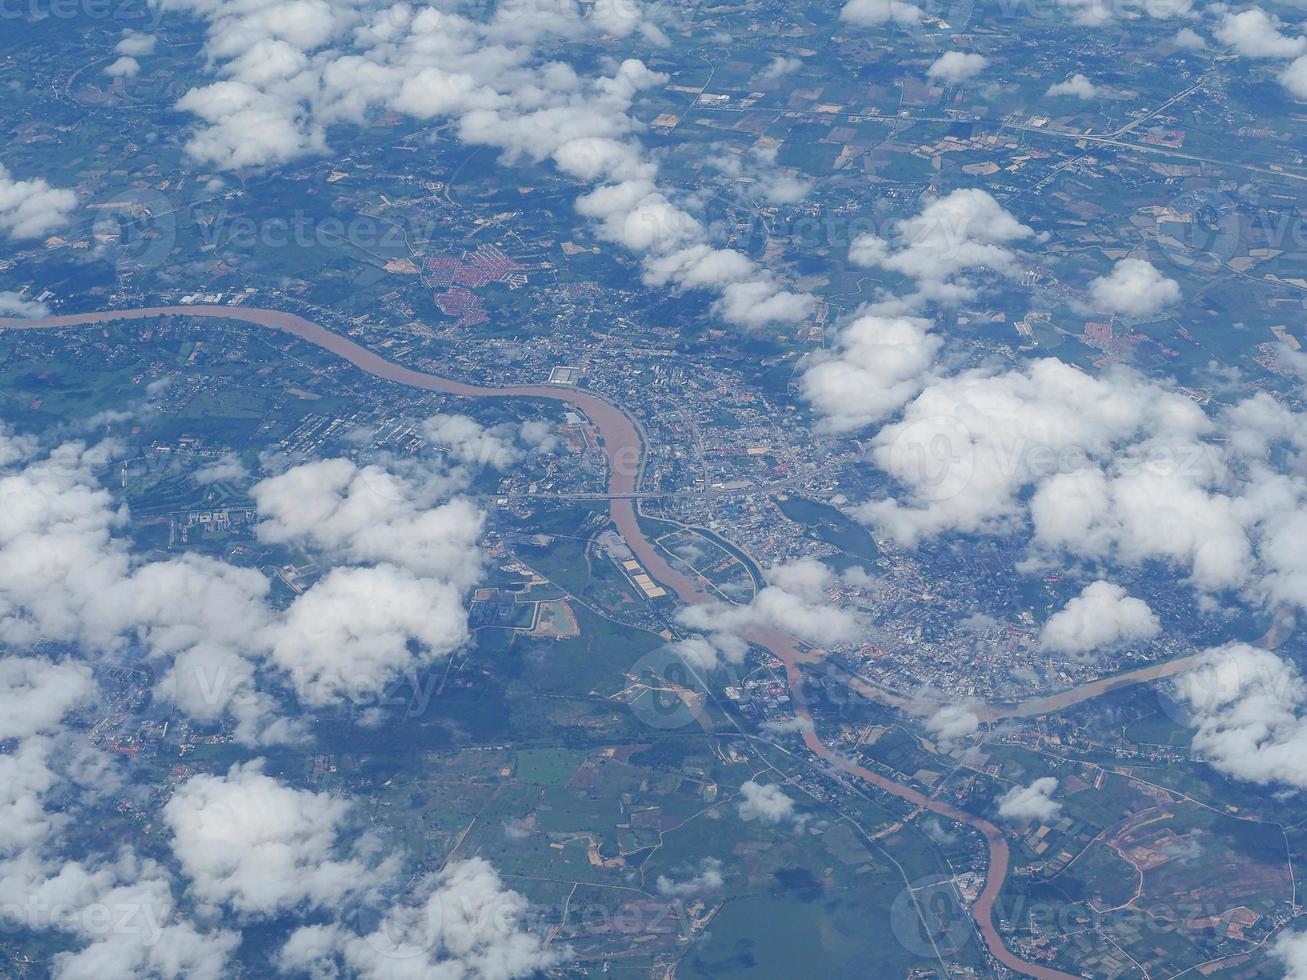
x=621 y=442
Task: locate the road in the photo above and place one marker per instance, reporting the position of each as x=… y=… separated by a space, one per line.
x=621 y=442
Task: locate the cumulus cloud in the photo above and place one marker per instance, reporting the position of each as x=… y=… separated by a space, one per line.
x=1290 y=948
x=963 y=230
x=58 y=558
x=250 y=842
x=779 y=67
x=226 y=468
x=1096 y=13
x=1248 y=706
x=1033 y=802
x=66 y=574
x=245 y=843
x=124 y=67
x=286 y=72
x=1134 y=287
x=873 y=13
x=464 y=923
x=1102 y=616
x=36 y=694
x=1255 y=34
x=115 y=911
x=1077 y=86
x=1089 y=13
x=884 y=356
x=877 y=364
x=473 y=444
x=763 y=178
x=1294 y=78
x=136 y=43
x=204 y=620
x=956 y=66
x=796 y=725
x=366 y=514
x=469 y=441
x=15 y=304
x=707 y=880
x=766 y=803
x=1189 y=39
x=144 y=937
x=968 y=443
x=1109 y=468
x=32 y=208
x=953 y=722
x=793 y=601
x=360 y=628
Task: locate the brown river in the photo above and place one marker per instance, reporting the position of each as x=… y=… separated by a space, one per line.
x=621 y=442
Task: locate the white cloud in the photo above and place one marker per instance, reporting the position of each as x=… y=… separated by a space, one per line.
x=205 y=619
x=1248 y=706
x=1077 y=86
x=124 y=67
x=1089 y=13
x=876 y=365
x=1189 y=39
x=135 y=44
x=1256 y=34
x=873 y=13
x=794 y=601
x=706 y=881
x=963 y=230
x=1290 y=948
x=702 y=653
x=883 y=356
x=472 y=444
x=760 y=302
x=465 y=924
x=1102 y=616
x=366 y=514
x=957 y=66
x=968 y=443
x=360 y=628
x=59 y=562
x=779 y=67
x=288 y=71
x=766 y=803
x=1108 y=468
x=32 y=208
x=116 y=911
x=765 y=178
x=1033 y=802
x=15 y=304
x=1294 y=78
x=225 y=468
x=953 y=722
x=124 y=911
x=36 y=694
x=1133 y=288
x=66 y=575
x=796 y=725
x=250 y=842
